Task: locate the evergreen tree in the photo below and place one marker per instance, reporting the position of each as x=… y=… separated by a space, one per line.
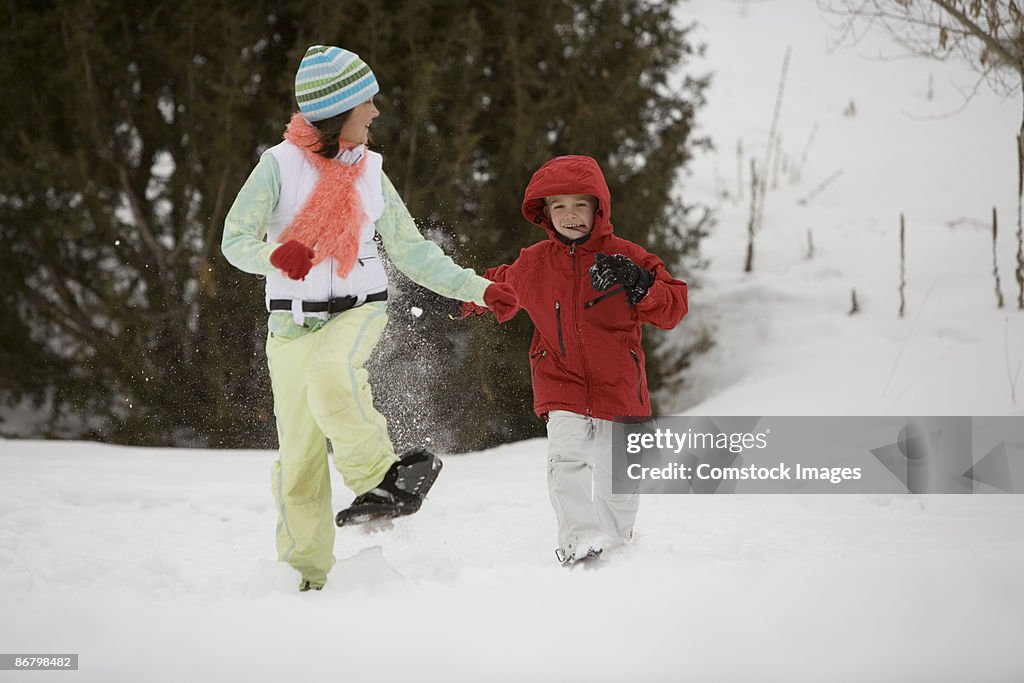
x=130 y=127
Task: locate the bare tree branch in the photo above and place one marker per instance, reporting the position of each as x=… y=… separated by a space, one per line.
x=976 y=31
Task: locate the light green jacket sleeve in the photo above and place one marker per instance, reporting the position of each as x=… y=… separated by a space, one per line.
x=421 y=260
x=245 y=227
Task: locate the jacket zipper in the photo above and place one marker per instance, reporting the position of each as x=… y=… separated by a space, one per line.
x=579 y=333
x=639 y=377
x=538 y=357
x=330 y=284
x=594 y=302
x=558 y=320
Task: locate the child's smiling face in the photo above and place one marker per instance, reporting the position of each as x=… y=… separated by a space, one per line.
x=356 y=129
x=572 y=215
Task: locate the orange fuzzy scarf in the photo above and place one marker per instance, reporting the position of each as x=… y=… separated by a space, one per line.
x=332 y=217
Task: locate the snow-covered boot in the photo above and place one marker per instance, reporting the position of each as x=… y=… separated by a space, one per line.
x=568 y=560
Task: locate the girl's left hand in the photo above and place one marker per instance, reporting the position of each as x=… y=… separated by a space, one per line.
x=293 y=258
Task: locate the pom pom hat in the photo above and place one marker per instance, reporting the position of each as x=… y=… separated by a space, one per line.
x=331 y=81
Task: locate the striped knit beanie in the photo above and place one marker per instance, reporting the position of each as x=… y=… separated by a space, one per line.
x=330 y=81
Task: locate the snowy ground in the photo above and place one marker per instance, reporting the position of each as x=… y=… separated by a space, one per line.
x=158 y=565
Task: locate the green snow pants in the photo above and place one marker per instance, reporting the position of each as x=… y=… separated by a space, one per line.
x=321 y=391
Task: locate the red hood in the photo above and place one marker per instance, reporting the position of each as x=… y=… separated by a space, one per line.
x=568 y=175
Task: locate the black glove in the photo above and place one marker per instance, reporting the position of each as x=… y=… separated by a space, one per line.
x=619 y=270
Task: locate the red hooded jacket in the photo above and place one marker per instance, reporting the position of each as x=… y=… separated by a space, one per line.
x=586 y=356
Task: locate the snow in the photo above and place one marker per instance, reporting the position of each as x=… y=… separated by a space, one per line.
x=785 y=343
x=158 y=565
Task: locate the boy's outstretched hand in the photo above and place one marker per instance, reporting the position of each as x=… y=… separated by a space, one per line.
x=619 y=270
x=294 y=258
x=471 y=309
x=502 y=301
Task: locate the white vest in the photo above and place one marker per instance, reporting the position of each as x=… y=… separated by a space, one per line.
x=298 y=178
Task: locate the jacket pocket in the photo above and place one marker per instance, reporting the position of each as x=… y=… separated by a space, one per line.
x=613 y=292
x=639 y=376
x=535 y=360
x=558 y=322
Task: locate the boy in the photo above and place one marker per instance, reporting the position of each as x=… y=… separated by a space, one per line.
x=588 y=292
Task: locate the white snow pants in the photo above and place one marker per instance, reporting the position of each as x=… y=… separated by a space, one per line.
x=580 y=485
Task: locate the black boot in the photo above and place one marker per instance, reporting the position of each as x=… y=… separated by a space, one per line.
x=400 y=493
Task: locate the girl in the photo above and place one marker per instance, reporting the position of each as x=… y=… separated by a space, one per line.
x=306 y=219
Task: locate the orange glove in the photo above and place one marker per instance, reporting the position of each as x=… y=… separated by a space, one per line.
x=294 y=258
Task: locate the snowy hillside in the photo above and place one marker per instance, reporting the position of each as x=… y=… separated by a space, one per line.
x=158 y=565
x=785 y=343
